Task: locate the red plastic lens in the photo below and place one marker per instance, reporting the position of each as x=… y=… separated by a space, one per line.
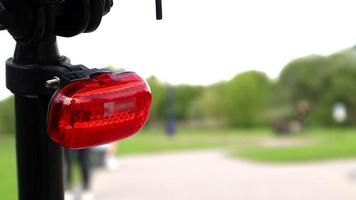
x=99 y=110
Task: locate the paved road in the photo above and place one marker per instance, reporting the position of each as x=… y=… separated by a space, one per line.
x=211 y=175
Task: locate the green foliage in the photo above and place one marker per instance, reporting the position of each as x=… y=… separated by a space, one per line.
x=323 y=81
x=251 y=99
x=247 y=98
x=208 y=105
x=159 y=99
x=7 y=116
x=302 y=78
x=184 y=96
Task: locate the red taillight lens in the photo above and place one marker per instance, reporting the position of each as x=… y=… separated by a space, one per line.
x=99 y=110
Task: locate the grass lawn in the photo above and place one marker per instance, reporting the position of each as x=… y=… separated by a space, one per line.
x=260 y=145
x=7 y=169
x=314 y=145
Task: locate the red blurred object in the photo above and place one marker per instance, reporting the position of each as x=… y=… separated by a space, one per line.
x=99 y=110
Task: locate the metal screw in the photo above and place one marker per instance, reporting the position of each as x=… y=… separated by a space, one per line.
x=52 y=83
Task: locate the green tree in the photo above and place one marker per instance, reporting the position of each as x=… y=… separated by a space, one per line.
x=247 y=99
x=159 y=99
x=303 y=78
x=323 y=81
x=183 y=97
x=209 y=105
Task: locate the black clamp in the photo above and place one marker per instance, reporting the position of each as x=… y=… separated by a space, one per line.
x=40 y=79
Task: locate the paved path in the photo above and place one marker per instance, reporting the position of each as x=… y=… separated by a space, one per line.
x=211 y=175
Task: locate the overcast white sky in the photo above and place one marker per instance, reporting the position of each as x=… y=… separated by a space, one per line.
x=204 y=41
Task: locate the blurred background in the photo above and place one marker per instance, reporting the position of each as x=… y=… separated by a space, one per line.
x=251 y=100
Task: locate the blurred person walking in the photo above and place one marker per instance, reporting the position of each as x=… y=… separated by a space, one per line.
x=171 y=120
x=83 y=158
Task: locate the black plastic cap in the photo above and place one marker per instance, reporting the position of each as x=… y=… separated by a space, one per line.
x=158 y=9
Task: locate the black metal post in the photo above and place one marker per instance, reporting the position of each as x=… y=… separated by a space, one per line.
x=39 y=160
